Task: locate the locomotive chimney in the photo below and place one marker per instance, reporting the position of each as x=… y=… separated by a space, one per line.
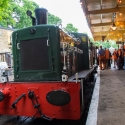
x=41 y=16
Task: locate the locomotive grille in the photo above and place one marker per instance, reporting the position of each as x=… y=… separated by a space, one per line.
x=34 y=54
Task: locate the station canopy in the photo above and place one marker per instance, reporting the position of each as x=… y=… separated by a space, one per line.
x=106 y=18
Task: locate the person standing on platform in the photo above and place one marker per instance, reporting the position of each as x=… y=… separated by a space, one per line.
x=114 y=58
x=107 y=56
x=101 y=54
x=124 y=56
x=110 y=60
x=97 y=55
x=119 y=60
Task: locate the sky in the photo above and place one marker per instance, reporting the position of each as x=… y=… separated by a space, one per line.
x=70 y=11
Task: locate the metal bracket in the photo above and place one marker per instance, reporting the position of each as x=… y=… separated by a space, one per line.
x=48 y=42
x=36 y=104
x=18 y=45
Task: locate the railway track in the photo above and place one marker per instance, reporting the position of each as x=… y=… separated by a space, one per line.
x=9 y=120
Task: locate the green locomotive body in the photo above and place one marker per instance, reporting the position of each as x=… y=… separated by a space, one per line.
x=85 y=41
x=37 y=55
x=45 y=52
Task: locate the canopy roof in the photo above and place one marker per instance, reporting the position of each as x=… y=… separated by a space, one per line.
x=102 y=14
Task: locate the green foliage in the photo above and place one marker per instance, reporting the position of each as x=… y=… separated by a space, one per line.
x=96 y=43
x=22 y=19
x=71 y=28
x=6 y=18
x=114 y=45
x=91 y=40
x=15 y=13
x=52 y=19
x=105 y=44
x=3 y=3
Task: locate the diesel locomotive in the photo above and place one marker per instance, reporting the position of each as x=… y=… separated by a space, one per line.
x=51 y=71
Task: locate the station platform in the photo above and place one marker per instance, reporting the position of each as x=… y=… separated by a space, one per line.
x=108 y=101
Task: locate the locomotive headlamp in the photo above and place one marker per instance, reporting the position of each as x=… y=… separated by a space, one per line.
x=29 y=13
x=1 y=96
x=3 y=93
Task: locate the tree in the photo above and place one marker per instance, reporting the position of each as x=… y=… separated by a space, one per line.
x=106 y=44
x=3 y=3
x=114 y=45
x=15 y=13
x=91 y=39
x=20 y=13
x=97 y=43
x=52 y=19
x=71 y=28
